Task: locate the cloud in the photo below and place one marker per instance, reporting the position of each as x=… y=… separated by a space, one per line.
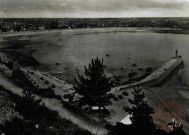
x=92 y=8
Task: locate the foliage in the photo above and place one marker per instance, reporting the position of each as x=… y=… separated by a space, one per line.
x=21 y=80
x=140 y=111
x=120 y=96
x=95 y=85
x=125 y=93
x=142 y=122
x=48 y=121
x=32 y=127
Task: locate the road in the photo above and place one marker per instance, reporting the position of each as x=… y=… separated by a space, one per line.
x=55 y=104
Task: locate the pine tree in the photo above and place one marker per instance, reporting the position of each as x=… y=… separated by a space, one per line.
x=142 y=122
x=141 y=112
x=94 y=85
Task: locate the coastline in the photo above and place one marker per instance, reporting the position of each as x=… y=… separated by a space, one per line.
x=99 y=30
x=159 y=91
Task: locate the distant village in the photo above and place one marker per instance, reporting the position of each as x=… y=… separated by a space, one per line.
x=20 y=24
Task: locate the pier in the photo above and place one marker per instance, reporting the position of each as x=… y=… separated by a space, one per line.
x=157 y=77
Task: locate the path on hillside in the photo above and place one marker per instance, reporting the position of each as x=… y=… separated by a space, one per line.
x=55 y=104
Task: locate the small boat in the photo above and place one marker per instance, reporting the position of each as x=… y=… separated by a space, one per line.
x=122 y=68
x=77 y=68
x=128 y=57
x=134 y=65
x=107 y=55
x=58 y=63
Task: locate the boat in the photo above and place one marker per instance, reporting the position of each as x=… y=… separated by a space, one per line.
x=122 y=68
x=134 y=65
x=77 y=68
x=58 y=62
x=107 y=55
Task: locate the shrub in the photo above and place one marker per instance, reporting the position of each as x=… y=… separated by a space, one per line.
x=32 y=73
x=120 y=96
x=53 y=86
x=111 y=95
x=141 y=69
x=46 y=82
x=20 y=127
x=66 y=96
x=116 y=99
x=53 y=125
x=48 y=93
x=149 y=69
x=125 y=93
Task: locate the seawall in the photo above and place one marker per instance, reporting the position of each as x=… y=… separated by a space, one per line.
x=158 y=76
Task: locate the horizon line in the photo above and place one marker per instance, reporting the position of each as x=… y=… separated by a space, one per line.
x=87 y=17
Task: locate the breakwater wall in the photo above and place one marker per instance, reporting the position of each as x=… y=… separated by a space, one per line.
x=158 y=76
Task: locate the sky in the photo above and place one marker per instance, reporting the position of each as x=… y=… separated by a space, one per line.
x=93 y=8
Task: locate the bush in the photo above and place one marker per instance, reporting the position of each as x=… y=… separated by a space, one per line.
x=120 y=96
x=48 y=93
x=149 y=69
x=116 y=99
x=48 y=120
x=66 y=96
x=20 y=127
x=110 y=95
x=32 y=73
x=125 y=93
x=53 y=125
x=53 y=86
x=141 y=69
x=21 y=80
x=46 y=82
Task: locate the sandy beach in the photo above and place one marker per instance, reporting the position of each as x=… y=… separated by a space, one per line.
x=90 y=30
x=75 y=48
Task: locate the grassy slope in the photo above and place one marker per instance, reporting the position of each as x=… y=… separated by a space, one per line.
x=47 y=119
